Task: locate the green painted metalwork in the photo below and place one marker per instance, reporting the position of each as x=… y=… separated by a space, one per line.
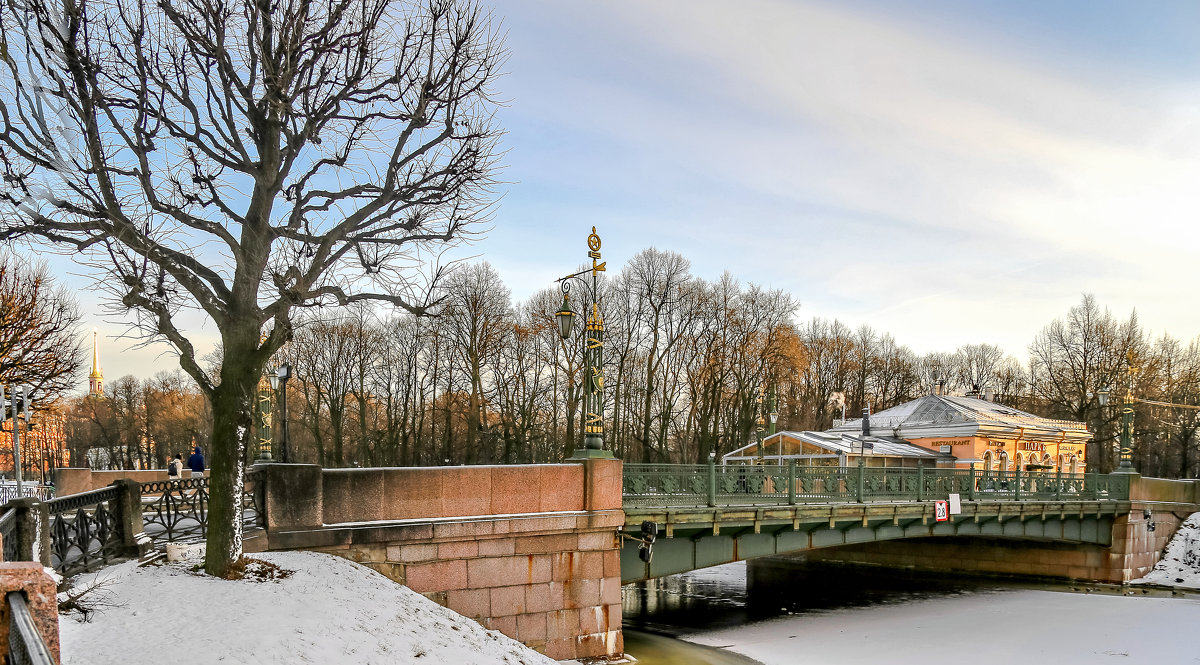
x=734 y=485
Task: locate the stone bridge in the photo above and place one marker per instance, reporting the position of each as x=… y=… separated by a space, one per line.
x=535 y=550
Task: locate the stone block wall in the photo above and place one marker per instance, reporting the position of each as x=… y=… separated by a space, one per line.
x=552 y=582
x=528 y=550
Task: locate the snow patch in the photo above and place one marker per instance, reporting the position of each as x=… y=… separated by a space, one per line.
x=1180 y=564
x=329 y=610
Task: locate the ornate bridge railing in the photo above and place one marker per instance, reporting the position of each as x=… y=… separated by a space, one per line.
x=85 y=530
x=731 y=485
x=175 y=510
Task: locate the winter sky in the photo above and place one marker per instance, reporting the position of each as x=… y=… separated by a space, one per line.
x=949 y=172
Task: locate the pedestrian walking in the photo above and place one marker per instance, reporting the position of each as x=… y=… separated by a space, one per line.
x=175 y=468
x=196 y=462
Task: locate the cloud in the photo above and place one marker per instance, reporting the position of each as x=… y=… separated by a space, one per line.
x=883 y=161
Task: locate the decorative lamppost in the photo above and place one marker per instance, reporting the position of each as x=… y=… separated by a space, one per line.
x=758 y=424
x=281 y=378
x=773 y=417
x=593 y=356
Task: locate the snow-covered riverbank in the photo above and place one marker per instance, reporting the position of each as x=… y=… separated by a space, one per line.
x=327 y=610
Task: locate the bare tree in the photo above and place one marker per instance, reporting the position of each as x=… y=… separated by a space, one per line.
x=39 y=345
x=244 y=158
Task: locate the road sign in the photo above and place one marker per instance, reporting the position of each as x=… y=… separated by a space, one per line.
x=941 y=510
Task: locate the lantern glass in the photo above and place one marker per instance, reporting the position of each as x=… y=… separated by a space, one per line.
x=274 y=380
x=1103 y=395
x=566 y=319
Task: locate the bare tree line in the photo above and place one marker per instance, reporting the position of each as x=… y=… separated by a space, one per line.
x=489 y=380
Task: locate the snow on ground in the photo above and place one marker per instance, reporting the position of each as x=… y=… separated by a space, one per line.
x=1180 y=565
x=329 y=610
x=1002 y=628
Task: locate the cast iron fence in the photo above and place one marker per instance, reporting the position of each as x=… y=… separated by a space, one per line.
x=176 y=511
x=731 y=485
x=85 y=530
x=25 y=643
x=8 y=492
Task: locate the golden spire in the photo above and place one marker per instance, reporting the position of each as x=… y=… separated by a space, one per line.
x=96 y=378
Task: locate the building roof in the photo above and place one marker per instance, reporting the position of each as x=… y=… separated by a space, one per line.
x=950 y=415
x=840 y=443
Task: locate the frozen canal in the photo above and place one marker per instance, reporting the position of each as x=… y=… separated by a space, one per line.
x=846 y=616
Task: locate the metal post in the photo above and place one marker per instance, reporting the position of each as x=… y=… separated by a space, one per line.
x=1017 y=486
x=971 y=485
x=1058 y=482
x=1126 y=465
x=791 y=482
x=712 y=482
x=16 y=435
x=920 y=482
x=861 y=485
x=284 y=453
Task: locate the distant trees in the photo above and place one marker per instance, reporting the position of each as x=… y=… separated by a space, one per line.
x=490 y=380
x=138 y=424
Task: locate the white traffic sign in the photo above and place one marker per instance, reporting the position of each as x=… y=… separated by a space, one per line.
x=941 y=511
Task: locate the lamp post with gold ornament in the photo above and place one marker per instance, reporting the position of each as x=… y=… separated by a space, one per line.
x=593 y=356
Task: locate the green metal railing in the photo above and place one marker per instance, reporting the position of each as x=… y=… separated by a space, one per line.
x=733 y=485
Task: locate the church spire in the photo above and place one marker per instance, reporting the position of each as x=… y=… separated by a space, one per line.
x=96 y=378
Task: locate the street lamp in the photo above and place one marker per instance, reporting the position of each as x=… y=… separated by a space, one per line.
x=280 y=379
x=593 y=357
x=20 y=397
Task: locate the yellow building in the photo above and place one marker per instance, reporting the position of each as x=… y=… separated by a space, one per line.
x=996 y=436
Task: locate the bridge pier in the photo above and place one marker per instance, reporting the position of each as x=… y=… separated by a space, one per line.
x=528 y=550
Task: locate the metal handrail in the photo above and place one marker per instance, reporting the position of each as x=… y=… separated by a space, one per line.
x=8 y=534
x=729 y=485
x=25 y=643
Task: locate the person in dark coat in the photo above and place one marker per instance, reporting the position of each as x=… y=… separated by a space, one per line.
x=196 y=461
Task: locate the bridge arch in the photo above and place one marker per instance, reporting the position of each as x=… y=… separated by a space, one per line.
x=691 y=539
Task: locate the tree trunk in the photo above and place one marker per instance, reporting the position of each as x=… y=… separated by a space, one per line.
x=233 y=419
